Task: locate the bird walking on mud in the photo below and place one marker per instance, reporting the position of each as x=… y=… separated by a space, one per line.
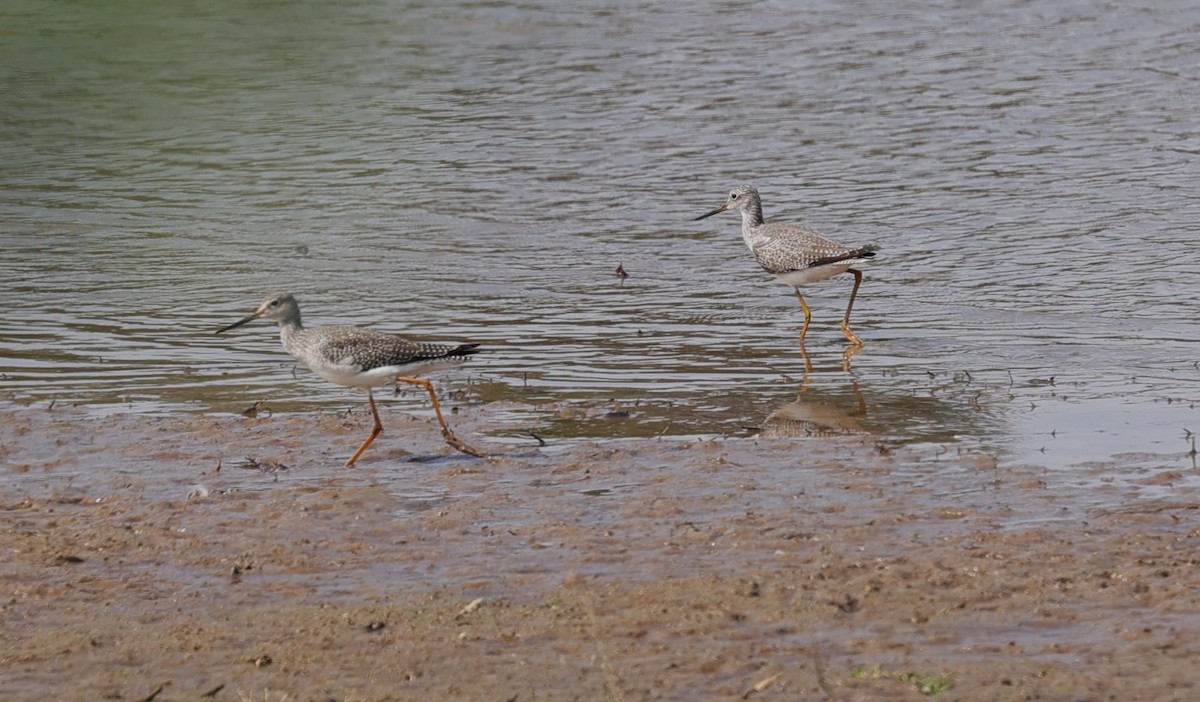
x=356 y=357
x=795 y=254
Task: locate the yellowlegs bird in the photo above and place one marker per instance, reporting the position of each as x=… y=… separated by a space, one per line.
x=795 y=254
x=361 y=358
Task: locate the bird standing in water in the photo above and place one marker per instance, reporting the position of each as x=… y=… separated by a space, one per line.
x=795 y=254
x=356 y=357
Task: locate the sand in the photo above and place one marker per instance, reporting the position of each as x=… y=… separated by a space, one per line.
x=145 y=558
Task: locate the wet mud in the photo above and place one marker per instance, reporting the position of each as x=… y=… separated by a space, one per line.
x=234 y=558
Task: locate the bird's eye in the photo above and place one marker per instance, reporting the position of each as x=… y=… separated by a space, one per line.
x=274 y=303
x=732 y=196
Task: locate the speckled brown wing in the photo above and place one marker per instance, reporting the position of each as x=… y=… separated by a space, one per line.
x=783 y=248
x=367 y=349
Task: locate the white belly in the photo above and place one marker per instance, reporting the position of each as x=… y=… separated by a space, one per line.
x=812 y=275
x=351 y=377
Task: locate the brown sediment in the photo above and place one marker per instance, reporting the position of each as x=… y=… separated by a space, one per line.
x=146 y=558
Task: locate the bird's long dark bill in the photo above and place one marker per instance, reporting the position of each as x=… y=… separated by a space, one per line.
x=235 y=325
x=719 y=210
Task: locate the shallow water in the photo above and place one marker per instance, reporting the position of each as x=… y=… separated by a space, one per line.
x=465 y=171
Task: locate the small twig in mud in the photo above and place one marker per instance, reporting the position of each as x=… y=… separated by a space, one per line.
x=253 y=410
x=213 y=692
x=471 y=607
x=761 y=685
x=51 y=407
x=540 y=440
x=664 y=430
x=157 y=691
x=269 y=467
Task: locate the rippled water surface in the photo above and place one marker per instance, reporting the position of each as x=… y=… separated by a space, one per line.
x=472 y=171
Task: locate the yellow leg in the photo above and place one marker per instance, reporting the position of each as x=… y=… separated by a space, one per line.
x=807 y=316
x=448 y=435
x=374 y=432
x=846 y=320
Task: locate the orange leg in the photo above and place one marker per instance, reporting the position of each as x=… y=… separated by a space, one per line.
x=846 y=320
x=448 y=435
x=807 y=316
x=374 y=432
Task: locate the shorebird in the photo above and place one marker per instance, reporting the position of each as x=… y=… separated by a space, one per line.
x=355 y=357
x=795 y=254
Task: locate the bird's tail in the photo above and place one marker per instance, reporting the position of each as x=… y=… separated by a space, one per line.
x=434 y=352
x=463 y=350
x=863 y=252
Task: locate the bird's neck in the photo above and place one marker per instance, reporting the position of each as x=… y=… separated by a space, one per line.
x=752 y=219
x=290 y=331
x=752 y=214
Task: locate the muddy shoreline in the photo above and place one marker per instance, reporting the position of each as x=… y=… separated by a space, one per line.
x=146 y=558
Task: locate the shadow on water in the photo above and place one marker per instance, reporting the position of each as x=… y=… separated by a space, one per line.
x=884 y=412
x=827 y=398
x=830 y=403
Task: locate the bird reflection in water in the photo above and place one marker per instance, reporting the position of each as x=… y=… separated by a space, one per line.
x=819 y=414
x=809 y=419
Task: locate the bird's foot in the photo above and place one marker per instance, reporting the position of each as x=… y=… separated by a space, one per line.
x=851 y=336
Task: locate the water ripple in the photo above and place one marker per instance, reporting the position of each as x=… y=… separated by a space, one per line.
x=469 y=171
